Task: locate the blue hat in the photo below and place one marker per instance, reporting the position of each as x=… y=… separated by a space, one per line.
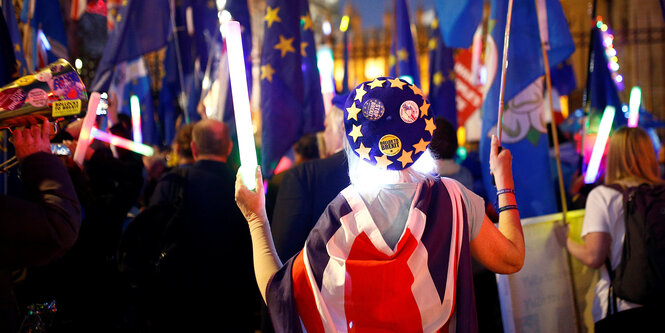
x=339 y=100
x=388 y=123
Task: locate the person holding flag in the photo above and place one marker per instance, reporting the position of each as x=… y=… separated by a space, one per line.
x=393 y=249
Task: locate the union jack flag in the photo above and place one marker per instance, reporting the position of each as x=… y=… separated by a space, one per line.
x=347 y=279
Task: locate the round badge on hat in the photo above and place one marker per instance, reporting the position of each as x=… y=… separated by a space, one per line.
x=387 y=122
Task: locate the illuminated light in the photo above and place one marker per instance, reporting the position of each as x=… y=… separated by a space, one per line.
x=135 y=107
x=599 y=24
x=326 y=28
x=225 y=16
x=563 y=101
x=243 y=116
x=624 y=108
x=461 y=153
x=603 y=28
x=614 y=66
x=619 y=78
x=104 y=95
x=407 y=78
x=85 y=139
x=221 y=4
x=607 y=41
x=44 y=40
x=461 y=136
x=611 y=52
x=344 y=25
x=374 y=67
x=599 y=145
x=634 y=110
x=326 y=64
x=614 y=59
x=78 y=63
x=121 y=142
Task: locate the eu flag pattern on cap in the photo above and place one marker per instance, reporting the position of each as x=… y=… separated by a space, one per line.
x=388 y=122
x=442 y=91
x=288 y=109
x=403 y=52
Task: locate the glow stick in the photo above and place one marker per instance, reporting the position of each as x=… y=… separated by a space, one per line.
x=135 y=106
x=122 y=142
x=243 y=115
x=599 y=145
x=634 y=110
x=85 y=139
x=344 y=24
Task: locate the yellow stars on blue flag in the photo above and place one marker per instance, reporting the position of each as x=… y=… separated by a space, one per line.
x=306 y=22
x=266 y=72
x=285 y=45
x=272 y=16
x=402 y=55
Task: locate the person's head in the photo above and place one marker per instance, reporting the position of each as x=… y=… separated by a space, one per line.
x=631 y=156
x=211 y=141
x=444 y=141
x=306 y=148
x=182 y=144
x=333 y=135
x=388 y=127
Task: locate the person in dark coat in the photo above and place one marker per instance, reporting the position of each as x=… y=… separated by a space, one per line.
x=42 y=225
x=212 y=297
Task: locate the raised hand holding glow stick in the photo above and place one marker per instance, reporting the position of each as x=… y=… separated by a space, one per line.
x=85 y=138
x=248 y=162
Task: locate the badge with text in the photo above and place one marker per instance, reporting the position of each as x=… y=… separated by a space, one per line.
x=390 y=145
x=373 y=109
x=66 y=108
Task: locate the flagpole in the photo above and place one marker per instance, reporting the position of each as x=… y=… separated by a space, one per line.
x=183 y=105
x=504 y=67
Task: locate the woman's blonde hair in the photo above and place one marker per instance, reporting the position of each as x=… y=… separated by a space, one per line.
x=631 y=156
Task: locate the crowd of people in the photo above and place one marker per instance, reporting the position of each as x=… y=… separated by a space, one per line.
x=355 y=235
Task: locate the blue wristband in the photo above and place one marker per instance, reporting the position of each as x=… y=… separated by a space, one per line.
x=507 y=207
x=505 y=190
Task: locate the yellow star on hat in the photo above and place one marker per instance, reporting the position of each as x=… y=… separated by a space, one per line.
x=376 y=83
x=383 y=162
x=360 y=92
x=430 y=127
x=363 y=151
x=417 y=91
x=396 y=83
x=355 y=132
x=405 y=158
x=353 y=112
x=424 y=109
x=421 y=146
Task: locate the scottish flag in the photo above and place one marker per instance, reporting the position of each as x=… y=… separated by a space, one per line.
x=403 y=51
x=524 y=132
x=142 y=26
x=459 y=20
x=289 y=109
x=441 y=77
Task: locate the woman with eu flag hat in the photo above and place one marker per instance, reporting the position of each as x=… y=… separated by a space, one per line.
x=393 y=250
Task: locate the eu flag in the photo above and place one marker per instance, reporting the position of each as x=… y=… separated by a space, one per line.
x=142 y=26
x=603 y=89
x=563 y=77
x=287 y=113
x=441 y=77
x=524 y=132
x=402 y=48
x=459 y=20
x=15 y=37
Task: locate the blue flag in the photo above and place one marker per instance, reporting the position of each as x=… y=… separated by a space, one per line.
x=7 y=60
x=459 y=20
x=441 y=77
x=46 y=32
x=603 y=89
x=143 y=26
x=524 y=132
x=287 y=113
x=563 y=77
x=15 y=37
x=402 y=48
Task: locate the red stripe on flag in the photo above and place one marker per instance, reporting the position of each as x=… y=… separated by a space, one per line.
x=304 y=296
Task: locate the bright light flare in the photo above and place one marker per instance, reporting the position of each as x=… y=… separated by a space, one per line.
x=599 y=146
x=135 y=107
x=85 y=139
x=122 y=142
x=634 y=110
x=244 y=128
x=344 y=24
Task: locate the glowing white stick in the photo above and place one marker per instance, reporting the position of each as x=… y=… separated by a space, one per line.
x=599 y=145
x=243 y=115
x=634 y=110
x=122 y=142
x=85 y=139
x=135 y=106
